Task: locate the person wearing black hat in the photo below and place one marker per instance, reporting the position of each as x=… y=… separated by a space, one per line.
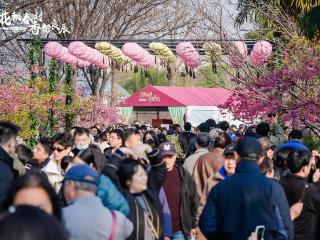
x=86 y=217
x=238 y=204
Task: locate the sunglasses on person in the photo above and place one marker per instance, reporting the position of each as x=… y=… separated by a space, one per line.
x=271 y=147
x=58 y=149
x=270 y=115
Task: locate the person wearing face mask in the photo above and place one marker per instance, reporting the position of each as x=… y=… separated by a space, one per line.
x=8 y=136
x=82 y=140
x=80 y=187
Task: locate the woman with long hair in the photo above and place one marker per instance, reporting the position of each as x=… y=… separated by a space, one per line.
x=141 y=189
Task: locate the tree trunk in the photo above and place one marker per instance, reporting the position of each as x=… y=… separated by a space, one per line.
x=94 y=76
x=105 y=78
x=114 y=86
x=172 y=75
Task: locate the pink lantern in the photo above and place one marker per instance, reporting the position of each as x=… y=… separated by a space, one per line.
x=72 y=60
x=98 y=57
x=237 y=54
x=77 y=48
x=82 y=63
x=63 y=54
x=141 y=56
x=134 y=51
x=188 y=54
x=88 y=54
x=52 y=48
x=261 y=53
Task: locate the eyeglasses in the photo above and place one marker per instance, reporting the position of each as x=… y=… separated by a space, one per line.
x=58 y=149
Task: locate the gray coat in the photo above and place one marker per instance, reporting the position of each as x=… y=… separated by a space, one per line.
x=87 y=219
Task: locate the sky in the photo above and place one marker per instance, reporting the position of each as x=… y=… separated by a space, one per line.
x=229 y=11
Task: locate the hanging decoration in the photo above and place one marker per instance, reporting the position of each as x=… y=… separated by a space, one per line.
x=188 y=54
x=113 y=52
x=163 y=52
x=139 y=55
x=237 y=54
x=213 y=53
x=88 y=54
x=212 y=50
x=261 y=53
x=61 y=53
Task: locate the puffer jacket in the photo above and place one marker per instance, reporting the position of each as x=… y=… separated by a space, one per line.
x=111 y=197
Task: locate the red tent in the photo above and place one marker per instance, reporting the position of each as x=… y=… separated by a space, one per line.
x=158 y=96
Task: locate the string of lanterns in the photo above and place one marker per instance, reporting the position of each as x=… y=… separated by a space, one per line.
x=81 y=55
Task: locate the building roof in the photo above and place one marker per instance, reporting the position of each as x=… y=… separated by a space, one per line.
x=160 y=96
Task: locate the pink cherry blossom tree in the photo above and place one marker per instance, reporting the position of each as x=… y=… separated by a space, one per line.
x=292 y=89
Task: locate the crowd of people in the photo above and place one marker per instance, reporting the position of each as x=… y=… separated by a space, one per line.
x=212 y=181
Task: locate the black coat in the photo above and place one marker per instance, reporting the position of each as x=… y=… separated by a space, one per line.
x=6 y=174
x=306 y=225
x=189 y=201
x=155 y=180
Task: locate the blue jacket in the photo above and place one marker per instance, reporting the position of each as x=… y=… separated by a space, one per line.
x=111 y=197
x=243 y=201
x=167 y=224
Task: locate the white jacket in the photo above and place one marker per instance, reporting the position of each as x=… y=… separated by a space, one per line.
x=53 y=172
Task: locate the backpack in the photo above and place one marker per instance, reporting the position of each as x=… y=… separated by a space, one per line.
x=175 y=140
